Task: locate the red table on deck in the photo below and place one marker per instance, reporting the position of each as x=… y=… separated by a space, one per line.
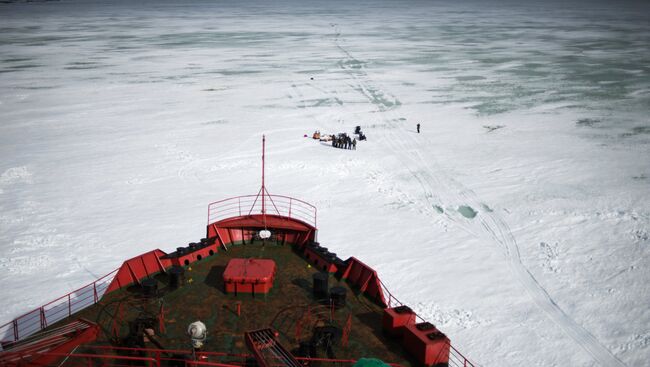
x=249 y=275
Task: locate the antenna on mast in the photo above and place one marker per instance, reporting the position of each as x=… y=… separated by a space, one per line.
x=265 y=233
x=263 y=187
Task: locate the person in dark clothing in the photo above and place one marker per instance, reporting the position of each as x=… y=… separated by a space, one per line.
x=354 y=144
x=418 y=126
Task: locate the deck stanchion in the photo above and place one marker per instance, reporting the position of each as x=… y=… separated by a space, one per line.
x=43 y=322
x=290 y=202
x=115 y=328
x=161 y=319
x=346 y=330
x=69 y=306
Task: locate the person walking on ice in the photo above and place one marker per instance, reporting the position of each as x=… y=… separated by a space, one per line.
x=418 y=126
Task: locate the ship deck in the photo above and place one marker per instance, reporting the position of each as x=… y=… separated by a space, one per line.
x=290 y=308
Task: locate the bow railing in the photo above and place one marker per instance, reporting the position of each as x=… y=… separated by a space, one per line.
x=283 y=206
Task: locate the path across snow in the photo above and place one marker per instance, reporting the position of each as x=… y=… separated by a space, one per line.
x=442 y=190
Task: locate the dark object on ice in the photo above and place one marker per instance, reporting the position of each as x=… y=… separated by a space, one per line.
x=357 y=130
x=418 y=126
x=491 y=128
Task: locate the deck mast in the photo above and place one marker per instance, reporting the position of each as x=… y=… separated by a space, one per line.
x=263 y=188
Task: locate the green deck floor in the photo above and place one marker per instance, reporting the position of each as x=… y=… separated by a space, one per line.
x=289 y=308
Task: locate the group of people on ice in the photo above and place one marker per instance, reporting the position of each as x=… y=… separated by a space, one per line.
x=343 y=141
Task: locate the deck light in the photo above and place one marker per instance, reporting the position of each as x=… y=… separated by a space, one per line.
x=265 y=234
x=197 y=332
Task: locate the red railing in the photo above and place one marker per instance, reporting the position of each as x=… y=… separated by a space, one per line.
x=104 y=356
x=456 y=358
x=158 y=359
x=62 y=307
x=283 y=206
x=30 y=351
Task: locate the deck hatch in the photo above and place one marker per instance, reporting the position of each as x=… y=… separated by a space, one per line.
x=249 y=275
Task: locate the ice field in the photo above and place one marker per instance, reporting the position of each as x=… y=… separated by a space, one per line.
x=518 y=221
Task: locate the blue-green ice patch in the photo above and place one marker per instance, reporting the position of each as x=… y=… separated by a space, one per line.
x=467 y=211
x=486 y=208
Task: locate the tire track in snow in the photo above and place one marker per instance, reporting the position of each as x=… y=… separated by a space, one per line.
x=493 y=227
